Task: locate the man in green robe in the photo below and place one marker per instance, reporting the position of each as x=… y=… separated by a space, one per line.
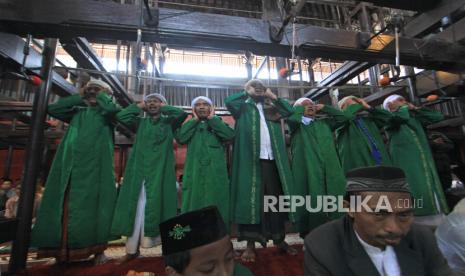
x=260 y=166
x=315 y=164
x=148 y=193
x=410 y=151
x=75 y=216
x=359 y=141
x=205 y=178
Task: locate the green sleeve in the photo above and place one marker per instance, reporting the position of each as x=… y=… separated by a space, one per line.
x=221 y=128
x=338 y=118
x=171 y=112
x=234 y=103
x=109 y=109
x=174 y=115
x=65 y=108
x=284 y=108
x=351 y=111
x=130 y=115
x=240 y=270
x=380 y=116
x=186 y=131
x=427 y=116
x=296 y=118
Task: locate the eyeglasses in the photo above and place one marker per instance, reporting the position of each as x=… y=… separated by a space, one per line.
x=92 y=90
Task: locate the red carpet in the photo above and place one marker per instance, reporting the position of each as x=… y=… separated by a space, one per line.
x=269 y=262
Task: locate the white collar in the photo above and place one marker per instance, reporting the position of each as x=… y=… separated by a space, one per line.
x=385 y=260
x=368 y=247
x=307 y=120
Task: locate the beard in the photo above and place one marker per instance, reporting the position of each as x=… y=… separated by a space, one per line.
x=203 y=114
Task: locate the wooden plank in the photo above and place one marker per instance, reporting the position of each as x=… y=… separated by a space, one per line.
x=109 y=20
x=429 y=18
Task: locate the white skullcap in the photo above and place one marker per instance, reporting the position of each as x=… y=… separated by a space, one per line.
x=301 y=101
x=155 y=95
x=343 y=100
x=97 y=82
x=390 y=99
x=194 y=101
x=252 y=82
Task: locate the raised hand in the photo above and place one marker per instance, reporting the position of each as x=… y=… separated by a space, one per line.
x=319 y=107
x=141 y=105
x=212 y=113
x=411 y=106
x=106 y=91
x=195 y=115
x=363 y=103
x=251 y=91
x=269 y=94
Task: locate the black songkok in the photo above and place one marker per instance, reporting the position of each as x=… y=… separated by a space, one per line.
x=377 y=179
x=191 y=230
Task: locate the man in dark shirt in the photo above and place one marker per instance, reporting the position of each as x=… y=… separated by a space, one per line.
x=377 y=238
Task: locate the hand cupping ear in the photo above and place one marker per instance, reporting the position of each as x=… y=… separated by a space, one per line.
x=141 y=105
x=251 y=90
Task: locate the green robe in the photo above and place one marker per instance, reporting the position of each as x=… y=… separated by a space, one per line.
x=240 y=270
x=205 y=179
x=353 y=145
x=410 y=151
x=84 y=165
x=151 y=162
x=246 y=185
x=315 y=164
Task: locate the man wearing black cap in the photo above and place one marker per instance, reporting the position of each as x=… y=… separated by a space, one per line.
x=196 y=243
x=377 y=239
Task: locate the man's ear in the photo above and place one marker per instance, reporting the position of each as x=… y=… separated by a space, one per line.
x=346 y=204
x=171 y=271
x=390 y=106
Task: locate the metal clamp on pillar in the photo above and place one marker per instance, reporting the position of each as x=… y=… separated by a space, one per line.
x=151 y=15
x=276 y=33
x=396 y=25
x=22 y=75
x=292 y=8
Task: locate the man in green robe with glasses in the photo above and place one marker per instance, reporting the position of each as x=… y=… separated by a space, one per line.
x=148 y=193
